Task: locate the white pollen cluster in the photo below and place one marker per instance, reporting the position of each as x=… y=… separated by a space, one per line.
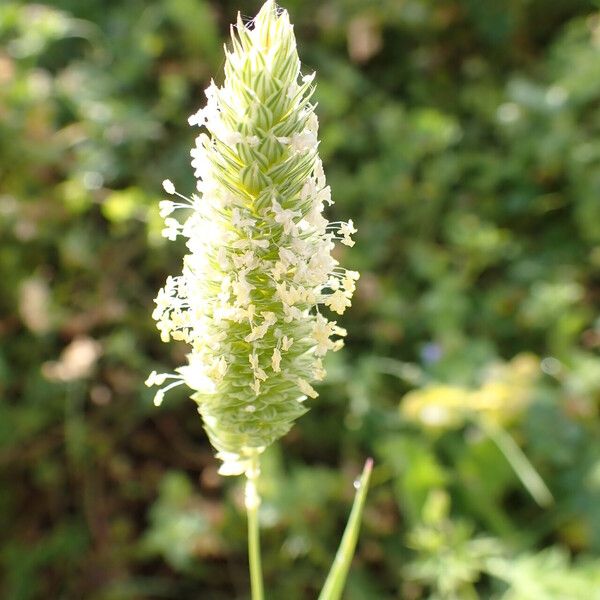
x=259 y=267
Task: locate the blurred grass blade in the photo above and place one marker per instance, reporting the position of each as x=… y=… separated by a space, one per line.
x=334 y=584
x=517 y=459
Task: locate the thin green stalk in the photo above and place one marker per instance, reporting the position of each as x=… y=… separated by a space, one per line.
x=252 y=500
x=517 y=459
x=334 y=584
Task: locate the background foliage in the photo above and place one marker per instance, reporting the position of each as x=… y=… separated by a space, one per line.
x=463 y=138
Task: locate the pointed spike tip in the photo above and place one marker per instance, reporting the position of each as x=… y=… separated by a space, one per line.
x=269 y=7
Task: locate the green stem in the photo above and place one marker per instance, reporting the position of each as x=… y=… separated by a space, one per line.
x=252 y=503
x=517 y=459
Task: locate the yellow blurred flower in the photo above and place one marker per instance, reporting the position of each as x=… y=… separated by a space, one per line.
x=502 y=396
x=436 y=406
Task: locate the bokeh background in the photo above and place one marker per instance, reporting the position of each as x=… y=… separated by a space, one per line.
x=463 y=139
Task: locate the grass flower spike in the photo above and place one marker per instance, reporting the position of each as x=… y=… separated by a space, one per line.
x=259 y=268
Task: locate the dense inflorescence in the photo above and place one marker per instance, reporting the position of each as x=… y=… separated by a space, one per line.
x=259 y=265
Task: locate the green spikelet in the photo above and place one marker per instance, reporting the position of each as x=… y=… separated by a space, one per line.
x=259 y=265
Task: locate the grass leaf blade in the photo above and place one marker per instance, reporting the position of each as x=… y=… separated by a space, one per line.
x=334 y=584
